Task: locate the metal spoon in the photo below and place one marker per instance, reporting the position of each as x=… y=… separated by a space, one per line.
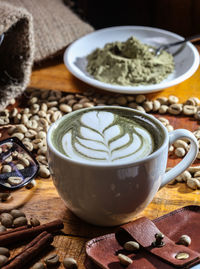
x=166 y=46
x=1 y=38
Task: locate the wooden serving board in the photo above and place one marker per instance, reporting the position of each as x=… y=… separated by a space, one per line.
x=43 y=201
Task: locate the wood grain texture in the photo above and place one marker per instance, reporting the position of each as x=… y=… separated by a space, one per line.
x=43 y=201
x=57 y=77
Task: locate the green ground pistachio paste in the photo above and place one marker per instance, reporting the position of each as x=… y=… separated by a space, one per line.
x=129 y=63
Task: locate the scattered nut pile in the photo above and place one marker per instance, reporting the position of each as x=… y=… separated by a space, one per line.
x=52 y=261
x=30 y=123
x=191 y=177
x=16 y=218
x=15 y=161
x=4 y=255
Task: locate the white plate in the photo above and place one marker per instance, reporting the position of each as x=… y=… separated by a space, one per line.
x=186 y=57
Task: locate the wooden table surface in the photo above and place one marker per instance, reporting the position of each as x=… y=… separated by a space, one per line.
x=43 y=201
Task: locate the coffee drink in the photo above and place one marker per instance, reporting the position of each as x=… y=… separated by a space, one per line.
x=106 y=135
x=108 y=162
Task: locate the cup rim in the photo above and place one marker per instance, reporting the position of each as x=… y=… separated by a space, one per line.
x=104 y=164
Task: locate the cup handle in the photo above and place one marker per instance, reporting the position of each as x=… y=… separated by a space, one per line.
x=187 y=160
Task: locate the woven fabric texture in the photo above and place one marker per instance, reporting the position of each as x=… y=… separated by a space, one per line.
x=34 y=30
x=55 y=26
x=16 y=51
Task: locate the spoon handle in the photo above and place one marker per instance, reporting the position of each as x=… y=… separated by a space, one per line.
x=190 y=38
x=193 y=38
x=1 y=38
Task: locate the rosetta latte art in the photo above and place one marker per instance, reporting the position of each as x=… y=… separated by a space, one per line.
x=101 y=136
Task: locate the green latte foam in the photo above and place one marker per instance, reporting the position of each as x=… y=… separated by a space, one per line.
x=108 y=135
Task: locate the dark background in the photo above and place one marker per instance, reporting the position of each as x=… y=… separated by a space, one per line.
x=179 y=16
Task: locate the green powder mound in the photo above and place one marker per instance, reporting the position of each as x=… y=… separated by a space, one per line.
x=129 y=63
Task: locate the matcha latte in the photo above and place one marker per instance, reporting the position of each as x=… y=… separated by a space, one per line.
x=106 y=135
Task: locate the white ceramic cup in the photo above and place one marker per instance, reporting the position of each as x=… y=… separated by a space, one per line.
x=112 y=194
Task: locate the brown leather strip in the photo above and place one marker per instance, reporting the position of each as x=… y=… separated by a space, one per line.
x=102 y=253
x=143 y=231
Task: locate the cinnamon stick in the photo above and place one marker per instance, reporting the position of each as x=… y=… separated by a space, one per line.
x=30 y=251
x=27 y=233
x=15 y=230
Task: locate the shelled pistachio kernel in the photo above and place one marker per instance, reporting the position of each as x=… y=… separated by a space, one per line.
x=182 y=256
x=16 y=213
x=140 y=108
x=170 y=128
x=197 y=115
x=198 y=178
x=189 y=110
x=124 y=260
x=44 y=171
x=175 y=109
x=163 y=109
x=156 y=105
x=197 y=174
x=186 y=175
x=20 y=221
x=34 y=222
x=38 y=265
x=3 y=260
x=193 y=183
x=163 y=100
x=6 y=168
x=2 y=228
x=194 y=101
x=173 y=99
x=31 y=184
x=131 y=246
x=6 y=220
x=184 y=240
x=140 y=98
x=180 y=152
x=4 y=251
x=121 y=100
x=8 y=160
x=194 y=169
x=19 y=166
x=181 y=144
x=179 y=178
x=65 y=108
x=148 y=106
x=14 y=181
x=164 y=121
x=52 y=260
x=70 y=263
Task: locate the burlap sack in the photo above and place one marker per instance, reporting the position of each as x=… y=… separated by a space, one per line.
x=55 y=26
x=16 y=51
